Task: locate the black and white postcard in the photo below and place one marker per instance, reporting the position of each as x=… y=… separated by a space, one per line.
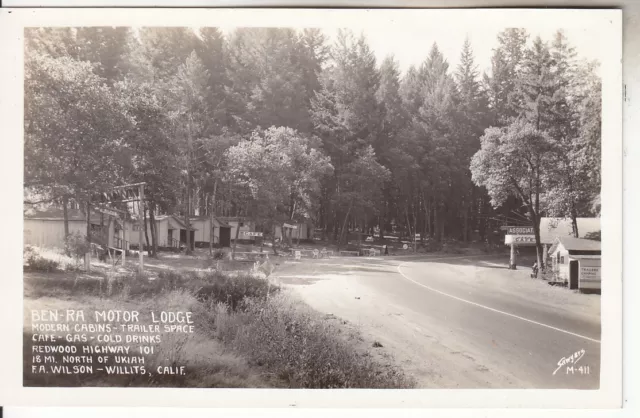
x=412 y=202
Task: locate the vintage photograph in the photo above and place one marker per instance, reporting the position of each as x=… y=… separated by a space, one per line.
x=294 y=207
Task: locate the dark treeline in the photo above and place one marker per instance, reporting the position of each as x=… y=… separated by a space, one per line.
x=283 y=125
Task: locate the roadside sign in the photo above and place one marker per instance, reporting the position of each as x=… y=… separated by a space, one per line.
x=590 y=273
x=518 y=230
x=519 y=239
x=290 y=226
x=252 y=234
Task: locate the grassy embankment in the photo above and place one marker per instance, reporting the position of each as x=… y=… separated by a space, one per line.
x=249 y=333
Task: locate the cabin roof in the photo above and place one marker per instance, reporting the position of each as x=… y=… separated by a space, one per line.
x=217 y=223
x=576 y=244
x=55 y=214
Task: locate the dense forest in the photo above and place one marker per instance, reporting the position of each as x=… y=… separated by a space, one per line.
x=284 y=125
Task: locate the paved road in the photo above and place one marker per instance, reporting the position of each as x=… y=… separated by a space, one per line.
x=461 y=321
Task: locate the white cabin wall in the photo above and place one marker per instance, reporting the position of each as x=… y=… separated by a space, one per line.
x=49 y=233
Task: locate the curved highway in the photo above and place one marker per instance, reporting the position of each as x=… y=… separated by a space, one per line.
x=461 y=321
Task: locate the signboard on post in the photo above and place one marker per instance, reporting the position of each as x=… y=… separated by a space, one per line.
x=518 y=230
x=252 y=234
x=518 y=236
x=290 y=226
x=519 y=239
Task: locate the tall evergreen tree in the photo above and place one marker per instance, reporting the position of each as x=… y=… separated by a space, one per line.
x=506 y=64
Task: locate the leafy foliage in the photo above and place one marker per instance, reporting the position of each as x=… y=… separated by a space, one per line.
x=76 y=245
x=280 y=125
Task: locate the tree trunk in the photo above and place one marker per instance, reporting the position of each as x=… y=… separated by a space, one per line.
x=273 y=239
x=235 y=241
x=465 y=224
x=154 y=231
x=436 y=224
x=211 y=216
x=203 y=202
x=574 y=220
x=428 y=220
x=415 y=231
x=539 y=251
x=87 y=257
x=146 y=232
x=186 y=216
x=406 y=215
x=102 y=232
x=65 y=214
x=344 y=224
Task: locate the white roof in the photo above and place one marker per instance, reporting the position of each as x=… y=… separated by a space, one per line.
x=552 y=228
x=575 y=244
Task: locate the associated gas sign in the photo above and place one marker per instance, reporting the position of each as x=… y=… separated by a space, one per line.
x=520 y=230
x=519 y=235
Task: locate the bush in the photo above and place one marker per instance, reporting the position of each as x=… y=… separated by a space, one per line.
x=218 y=255
x=234 y=290
x=37 y=263
x=432 y=246
x=27 y=252
x=301 y=348
x=76 y=245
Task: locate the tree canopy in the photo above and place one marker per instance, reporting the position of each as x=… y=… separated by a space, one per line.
x=281 y=125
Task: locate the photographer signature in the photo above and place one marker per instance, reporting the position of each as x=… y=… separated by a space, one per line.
x=573 y=359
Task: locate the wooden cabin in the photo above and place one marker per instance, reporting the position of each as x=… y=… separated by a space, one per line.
x=552 y=228
x=221 y=231
x=576 y=261
x=172 y=232
x=46 y=228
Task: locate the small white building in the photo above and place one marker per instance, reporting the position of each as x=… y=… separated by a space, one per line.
x=171 y=230
x=552 y=228
x=302 y=231
x=295 y=230
x=242 y=225
x=576 y=261
x=221 y=231
x=46 y=228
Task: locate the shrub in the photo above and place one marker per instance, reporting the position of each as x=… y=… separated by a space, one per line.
x=218 y=255
x=233 y=290
x=301 y=348
x=37 y=263
x=76 y=245
x=432 y=246
x=27 y=252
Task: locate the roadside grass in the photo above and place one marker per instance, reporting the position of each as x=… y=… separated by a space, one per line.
x=248 y=332
x=301 y=347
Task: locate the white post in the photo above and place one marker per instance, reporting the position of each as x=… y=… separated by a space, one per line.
x=512 y=261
